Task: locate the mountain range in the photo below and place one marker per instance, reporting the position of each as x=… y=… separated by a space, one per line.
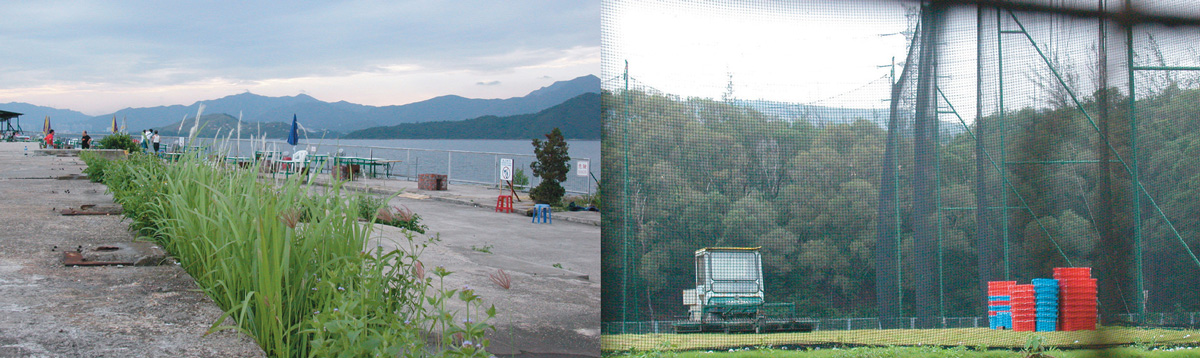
x=223 y=125
x=314 y=114
x=578 y=118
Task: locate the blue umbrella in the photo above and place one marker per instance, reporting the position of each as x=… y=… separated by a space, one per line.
x=293 y=137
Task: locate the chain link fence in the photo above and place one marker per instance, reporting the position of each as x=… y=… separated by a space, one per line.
x=469 y=167
x=888 y=158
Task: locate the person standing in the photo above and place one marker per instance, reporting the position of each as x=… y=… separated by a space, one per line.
x=85 y=142
x=145 y=139
x=50 y=139
x=155 y=138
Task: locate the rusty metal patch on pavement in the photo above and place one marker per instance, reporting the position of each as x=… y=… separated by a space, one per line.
x=73 y=258
x=92 y=209
x=121 y=253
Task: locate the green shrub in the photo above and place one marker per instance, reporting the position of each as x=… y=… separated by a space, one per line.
x=371 y=207
x=367 y=205
x=595 y=199
x=520 y=179
x=119 y=141
x=135 y=183
x=95 y=166
x=401 y=218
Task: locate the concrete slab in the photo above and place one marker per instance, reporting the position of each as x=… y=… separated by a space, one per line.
x=54 y=311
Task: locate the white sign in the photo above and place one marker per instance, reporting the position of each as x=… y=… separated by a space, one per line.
x=506 y=169
x=582 y=168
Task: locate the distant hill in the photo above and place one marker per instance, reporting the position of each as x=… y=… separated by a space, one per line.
x=223 y=124
x=315 y=114
x=578 y=118
x=823 y=115
x=32 y=117
x=818 y=114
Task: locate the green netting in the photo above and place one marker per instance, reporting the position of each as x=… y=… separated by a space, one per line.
x=888 y=159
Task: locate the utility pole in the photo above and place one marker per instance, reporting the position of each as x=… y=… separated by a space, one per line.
x=892 y=76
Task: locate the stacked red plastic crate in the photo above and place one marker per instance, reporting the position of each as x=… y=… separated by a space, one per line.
x=1077 y=298
x=1024 y=308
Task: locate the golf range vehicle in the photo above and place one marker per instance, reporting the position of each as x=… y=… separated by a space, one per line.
x=729 y=296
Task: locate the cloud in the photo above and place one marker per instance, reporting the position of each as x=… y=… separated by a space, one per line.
x=129 y=44
x=488 y=83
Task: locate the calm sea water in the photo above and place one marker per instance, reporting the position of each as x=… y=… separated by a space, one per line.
x=464 y=160
x=576 y=148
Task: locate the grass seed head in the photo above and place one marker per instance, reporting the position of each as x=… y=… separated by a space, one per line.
x=290 y=217
x=501 y=279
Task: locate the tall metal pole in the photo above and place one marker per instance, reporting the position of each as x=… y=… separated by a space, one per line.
x=892 y=76
x=925 y=137
x=896 y=206
x=888 y=294
x=937 y=193
x=1139 y=296
x=895 y=203
x=1115 y=268
x=895 y=163
x=982 y=230
x=625 y=207
x=1003 y=129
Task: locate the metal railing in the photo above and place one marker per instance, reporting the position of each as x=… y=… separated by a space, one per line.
x=459 y=166
x=1173 y=319
x=1177 y=320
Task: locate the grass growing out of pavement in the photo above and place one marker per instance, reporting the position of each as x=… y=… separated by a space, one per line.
x=288 y=265
x=1142 y=341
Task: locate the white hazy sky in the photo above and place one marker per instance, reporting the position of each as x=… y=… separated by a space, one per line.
x=829 y=52
x=790 y=51
x=100 y=56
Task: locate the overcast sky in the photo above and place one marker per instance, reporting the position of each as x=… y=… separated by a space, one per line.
x=100 y=56
x=835 y=52
x=788 y=51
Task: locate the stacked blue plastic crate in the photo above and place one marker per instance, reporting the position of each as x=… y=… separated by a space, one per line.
x=1000 y=304
x=1046 y=294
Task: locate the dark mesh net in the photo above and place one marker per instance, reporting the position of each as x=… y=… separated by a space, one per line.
x=886 y=160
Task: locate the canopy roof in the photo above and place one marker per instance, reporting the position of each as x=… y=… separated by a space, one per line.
x=6 y=115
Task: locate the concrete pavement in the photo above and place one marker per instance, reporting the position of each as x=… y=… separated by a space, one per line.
x=550 y=310
x=464 y=194
x=50 y=310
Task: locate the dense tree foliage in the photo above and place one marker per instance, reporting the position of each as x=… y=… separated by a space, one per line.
x=551 y=166
x=682 y=174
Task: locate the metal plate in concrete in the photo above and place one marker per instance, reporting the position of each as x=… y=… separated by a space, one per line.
x=122 y=253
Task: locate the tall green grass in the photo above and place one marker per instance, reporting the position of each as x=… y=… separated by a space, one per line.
x=288 y=264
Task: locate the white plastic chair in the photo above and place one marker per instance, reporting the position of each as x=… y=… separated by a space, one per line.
x=297 y=163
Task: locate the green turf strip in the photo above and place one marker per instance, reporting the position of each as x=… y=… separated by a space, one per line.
x=967 y=337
